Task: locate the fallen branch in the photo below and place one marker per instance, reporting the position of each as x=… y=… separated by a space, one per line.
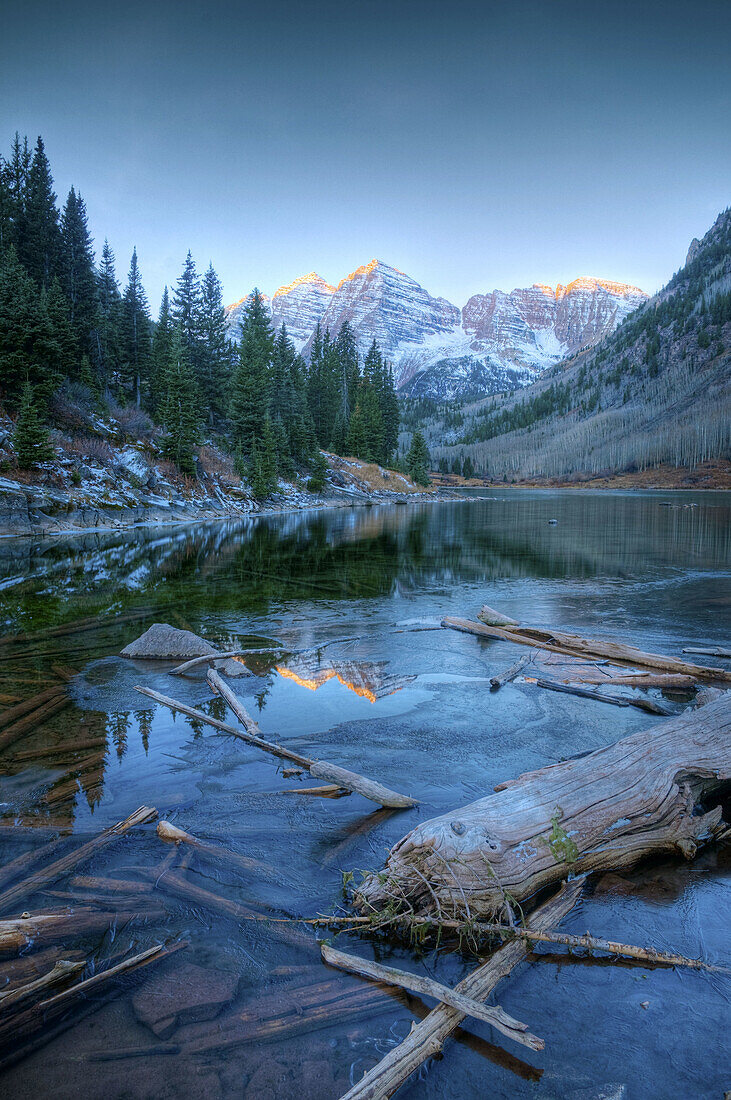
x=427 y=1038
x=498 y=681
x=210 y=658
x=171 y=833
x=198 y=896
x=615 y=700
x=68 y=862
x=320 y=769
x=574 y=645
x=426 y=987
x=63 y=971
x=10 y=871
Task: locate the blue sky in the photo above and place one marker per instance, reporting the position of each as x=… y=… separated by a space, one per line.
x=472 y=145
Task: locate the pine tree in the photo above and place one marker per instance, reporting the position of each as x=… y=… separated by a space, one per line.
x=349 y=371
x=250 y=390
x=215 y=365
x=110 y=318
x=179 y=408
x=30 y=437
x=61 y=349
x=39 y=236
x=390 y=414
x=135 y=335
x=418 y=460
x=78 y=277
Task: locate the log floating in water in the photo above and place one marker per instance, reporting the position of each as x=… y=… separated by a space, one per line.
x=320 y=769
x=68 y=862
x=426 y=987
x=615 y=700
x=377 y=793
x=10 y=871
x=427 y=1038
x=573 y=645
x=61 y=750
x=708 y=651
x=602 y=811
x=498 y=681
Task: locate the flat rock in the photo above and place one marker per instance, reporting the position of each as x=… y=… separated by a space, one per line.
x=189 y=994
x=163 y=642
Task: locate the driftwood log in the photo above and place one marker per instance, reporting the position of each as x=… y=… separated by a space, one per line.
x=573 y=645
x=653 y=792
x=427 y=987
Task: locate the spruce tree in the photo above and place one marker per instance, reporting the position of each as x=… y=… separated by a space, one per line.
x=135 y=335
x=250 y=389
x=39 y=237
x=13 y=193
x=215 y=363
x=28 y=341
x=390 y=413
x=162 y=347
x=179 y=408
x=418 y=460
x=349 y=372
x=78 y=277
x=269 y=470
x=30 y=437
x=61 y=349
x=108 y=333
x=186 y=306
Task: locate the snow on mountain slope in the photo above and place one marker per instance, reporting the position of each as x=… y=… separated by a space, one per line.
x=498 y=341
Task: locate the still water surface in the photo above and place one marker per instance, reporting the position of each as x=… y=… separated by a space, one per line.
x=409 y=707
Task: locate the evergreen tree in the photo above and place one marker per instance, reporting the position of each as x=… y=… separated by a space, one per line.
x=13 y=192
x=348 y=373
x=28 y=346
x=418 y=460
x=319 y=469
x=135 y=335
x=162 y=348
x=39 y=236
x=61 y=349
x=186 y=306
x=390 y=414
x=250 y=390
x=107 y=341
x=178 y=410
x=215 y=365
x=78 y=277
x=30 y=437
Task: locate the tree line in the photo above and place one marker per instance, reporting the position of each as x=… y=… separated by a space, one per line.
x=65 y=317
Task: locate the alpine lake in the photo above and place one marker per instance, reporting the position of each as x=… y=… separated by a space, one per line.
x=245 y=1010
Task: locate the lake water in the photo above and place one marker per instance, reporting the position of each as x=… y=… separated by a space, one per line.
x=404 y=705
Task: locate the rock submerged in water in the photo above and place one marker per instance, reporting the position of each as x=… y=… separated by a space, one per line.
x=162 y=642
x=190 y=994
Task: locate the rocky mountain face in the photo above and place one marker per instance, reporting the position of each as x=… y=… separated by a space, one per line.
x=497 y=342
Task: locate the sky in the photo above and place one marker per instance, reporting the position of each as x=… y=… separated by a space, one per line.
x=472 y=145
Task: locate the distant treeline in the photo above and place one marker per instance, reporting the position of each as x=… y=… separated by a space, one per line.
x=65 y=321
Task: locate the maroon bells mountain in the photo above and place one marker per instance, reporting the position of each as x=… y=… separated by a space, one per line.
x=498 y=341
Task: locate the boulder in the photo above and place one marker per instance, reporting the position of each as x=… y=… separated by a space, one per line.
x=163 y=642
x=187 y=995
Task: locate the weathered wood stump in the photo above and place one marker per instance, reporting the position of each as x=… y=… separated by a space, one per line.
x=653 y=792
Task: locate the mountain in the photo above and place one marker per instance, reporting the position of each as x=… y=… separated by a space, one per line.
x=498 y=341
x=657 y=390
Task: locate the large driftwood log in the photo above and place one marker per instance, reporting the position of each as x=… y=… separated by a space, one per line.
x=642 y=796
x=573 y=645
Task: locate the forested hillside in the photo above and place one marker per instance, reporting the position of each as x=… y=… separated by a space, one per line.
x=654 y=392
x=78 y=352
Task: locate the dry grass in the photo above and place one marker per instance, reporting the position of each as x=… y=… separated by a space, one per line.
x=378 y=478
x=215 y=462
x=89 y=447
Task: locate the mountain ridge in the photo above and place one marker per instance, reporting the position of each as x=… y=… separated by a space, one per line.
x=498 y=340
